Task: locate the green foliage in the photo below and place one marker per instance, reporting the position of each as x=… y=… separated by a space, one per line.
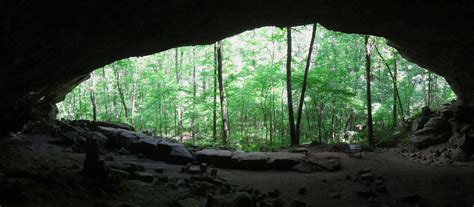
x=148 y=92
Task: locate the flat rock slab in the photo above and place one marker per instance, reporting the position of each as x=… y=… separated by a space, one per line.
x=146 y=147
x=299 y=150
x=284 y=160
x=330 y=164
x=121 y=138
x=251 y=160
x=218 y=158
x=174 y=153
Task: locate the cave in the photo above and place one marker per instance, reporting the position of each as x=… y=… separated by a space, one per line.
x=51 y=47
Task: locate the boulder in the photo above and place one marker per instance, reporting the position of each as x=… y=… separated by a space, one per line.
x=142 y=176
x=174 y=153
x=146 y=147
x=218 y=158
x=284 y=160
x=459 y=155
x=189 y=202
x=326 y=164
x=435 y=131
x=121 y=138
x=412 y=198
x=101 y=138
x=304 y=167
x=251 y=160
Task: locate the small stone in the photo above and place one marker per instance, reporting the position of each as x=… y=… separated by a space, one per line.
x=203 y=167
x=298 y=203
x=265 y=204
x=348 y=177
x=381 y=189
x=214 y=172
x=334 y=195
x=278 y=202
x=302 y=191
x=163 y=178
x=412 y=198
x=142 y=176
x=365 y=193
x=129 y=205
x=109 y=158
x=273 y=194
x=121 y=173
x=159 y=170
x=194 y=169
x=363 y=171
x=189 y=202
x=367 y=177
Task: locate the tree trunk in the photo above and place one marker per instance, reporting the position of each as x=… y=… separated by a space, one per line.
x=225 y=126
x=291 y=119
x=214 y=109
x=193 y=120
x=395 y=85
x=106 y=91
x=305 y=81
x=370 y=130
x=119 y=90
x=94 y=96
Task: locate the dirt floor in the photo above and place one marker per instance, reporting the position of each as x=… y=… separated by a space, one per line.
x=34 y=172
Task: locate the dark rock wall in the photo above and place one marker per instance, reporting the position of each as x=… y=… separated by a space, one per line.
x=48 y=47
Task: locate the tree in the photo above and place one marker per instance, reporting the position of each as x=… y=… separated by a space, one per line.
x=291 y=119
x=94 y=96
x=370 y=129
x=225 y=126
x=305 y=82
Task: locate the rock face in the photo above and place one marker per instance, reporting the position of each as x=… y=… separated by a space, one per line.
x=435 y=131
x=452 y=123
x=42 y=40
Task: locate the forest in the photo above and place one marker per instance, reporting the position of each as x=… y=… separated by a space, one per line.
x=264 y=88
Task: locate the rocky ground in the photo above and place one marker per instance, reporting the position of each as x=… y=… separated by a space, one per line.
x=99 y=164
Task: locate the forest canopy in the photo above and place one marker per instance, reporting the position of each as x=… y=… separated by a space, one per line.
x=175 y=93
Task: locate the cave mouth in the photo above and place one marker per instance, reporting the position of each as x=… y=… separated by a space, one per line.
x=171 y=94
x=50 y=47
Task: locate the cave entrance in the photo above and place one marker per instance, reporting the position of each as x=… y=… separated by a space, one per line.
x=172 y=93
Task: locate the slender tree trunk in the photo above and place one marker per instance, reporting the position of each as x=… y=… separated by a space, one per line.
x=395 y=85
x=193 y=121
x=370 y=130
x=94 y=96
x=394 y=107
x=305 y=81
x=136 y=76
x=214 y=109
x=106 y=91
x=225 y=126
x=119 y=90
x=291 y=119
x=272 y=109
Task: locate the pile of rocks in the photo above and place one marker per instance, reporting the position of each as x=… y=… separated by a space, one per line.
x=434 y=155
x=453 y=123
